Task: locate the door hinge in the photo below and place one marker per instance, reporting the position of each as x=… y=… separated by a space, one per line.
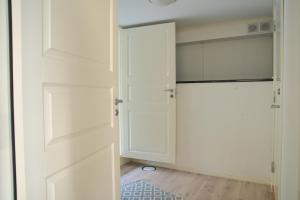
x=274 y=26
x=273 y=167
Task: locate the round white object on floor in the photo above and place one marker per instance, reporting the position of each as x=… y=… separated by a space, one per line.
x=149 y=168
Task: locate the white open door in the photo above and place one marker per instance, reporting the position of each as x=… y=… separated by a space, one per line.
x=147 y=89
x=69 y=83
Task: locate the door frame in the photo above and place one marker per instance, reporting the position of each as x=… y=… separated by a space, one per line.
x=290 y=172
x=277 y=97
x=9 y=92
x=16 y=15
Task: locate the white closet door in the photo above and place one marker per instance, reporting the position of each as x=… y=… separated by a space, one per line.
x=69 y=83
x=147 y=87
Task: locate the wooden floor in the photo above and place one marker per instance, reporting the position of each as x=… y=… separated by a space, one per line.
x=195 y=186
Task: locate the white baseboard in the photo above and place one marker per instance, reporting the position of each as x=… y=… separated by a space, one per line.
x=265 y=181
x=124 y=161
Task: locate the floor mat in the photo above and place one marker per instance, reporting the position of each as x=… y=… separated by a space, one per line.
x=141 y=190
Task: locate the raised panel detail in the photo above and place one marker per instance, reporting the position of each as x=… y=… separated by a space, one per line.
x=147 y=94
x=84 y=180
x=148 y=132
x=71 y=111
x=150 y=64
x=78 y=29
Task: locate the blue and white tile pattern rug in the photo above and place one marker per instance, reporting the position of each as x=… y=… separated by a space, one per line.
x=141 y=190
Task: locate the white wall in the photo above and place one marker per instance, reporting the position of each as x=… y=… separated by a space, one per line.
x=225 y=129
x=123 y=161
x=6 y=177
x=216 y=31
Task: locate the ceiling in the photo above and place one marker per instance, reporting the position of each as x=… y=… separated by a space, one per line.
x=192 y=12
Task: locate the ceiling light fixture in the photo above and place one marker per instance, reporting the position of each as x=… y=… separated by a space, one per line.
x=162 y=2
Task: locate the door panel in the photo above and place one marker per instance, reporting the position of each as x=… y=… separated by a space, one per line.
x=89 y=108
x=69 y=81
x=147 y=70
x=84 y=180
x=143 y=138
x=70 y=32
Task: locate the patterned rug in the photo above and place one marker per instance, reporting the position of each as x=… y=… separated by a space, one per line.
x=141 y=190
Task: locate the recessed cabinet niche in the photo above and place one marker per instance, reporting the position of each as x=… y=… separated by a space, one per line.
x=226 y=59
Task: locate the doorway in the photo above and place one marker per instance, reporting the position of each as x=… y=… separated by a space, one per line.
x=224 y=90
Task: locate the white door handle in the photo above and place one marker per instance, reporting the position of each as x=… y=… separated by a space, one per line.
x=118 y=101
x=275 y=106
x=169 y=90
